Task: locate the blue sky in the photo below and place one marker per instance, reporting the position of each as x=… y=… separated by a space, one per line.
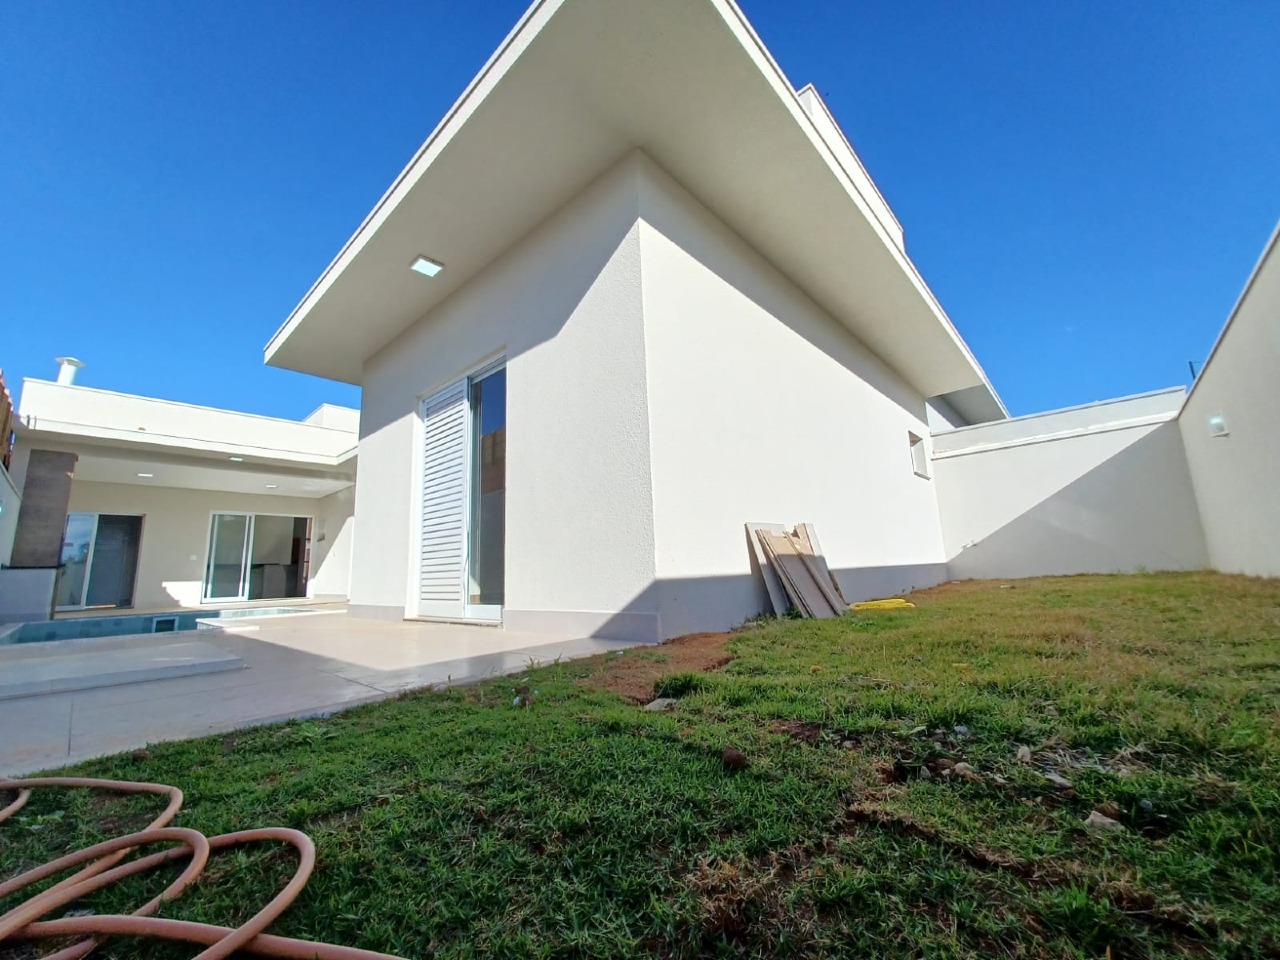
x=1085 y=185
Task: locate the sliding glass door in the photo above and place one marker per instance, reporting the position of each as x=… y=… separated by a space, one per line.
x=77 y=548
x=257 y=557
x=99 y=563
x=227 y=575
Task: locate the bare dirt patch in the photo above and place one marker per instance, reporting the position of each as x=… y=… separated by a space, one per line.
x=634 y=674
x=799 y=730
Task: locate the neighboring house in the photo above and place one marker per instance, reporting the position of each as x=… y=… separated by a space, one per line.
x=134 y=502
x=655 y=277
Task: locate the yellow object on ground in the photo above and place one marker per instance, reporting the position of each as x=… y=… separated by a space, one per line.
x=897 y=603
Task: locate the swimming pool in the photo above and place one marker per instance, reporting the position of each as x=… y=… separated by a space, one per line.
x=83 y=628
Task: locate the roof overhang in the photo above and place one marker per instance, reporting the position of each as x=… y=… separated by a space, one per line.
x=578 y=85
x=119 y=438
x=151 y=467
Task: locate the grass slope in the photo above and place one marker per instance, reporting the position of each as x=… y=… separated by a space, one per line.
x=457 y=824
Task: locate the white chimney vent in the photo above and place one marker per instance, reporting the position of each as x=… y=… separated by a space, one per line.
x=67 y=367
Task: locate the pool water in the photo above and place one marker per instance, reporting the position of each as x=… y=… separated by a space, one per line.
x=82 y=628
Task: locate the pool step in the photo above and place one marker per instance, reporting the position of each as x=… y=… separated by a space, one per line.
x=31 y=676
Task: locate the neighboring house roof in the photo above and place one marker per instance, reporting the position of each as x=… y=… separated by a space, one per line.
x=119 y=436
x=578 y=85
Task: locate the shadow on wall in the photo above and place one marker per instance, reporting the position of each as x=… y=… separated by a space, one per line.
x=1121 y=516
x=553 y=269
x=677 y=607
x=1135 y=510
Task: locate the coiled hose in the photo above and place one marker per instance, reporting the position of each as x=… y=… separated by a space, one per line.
x=105 y=863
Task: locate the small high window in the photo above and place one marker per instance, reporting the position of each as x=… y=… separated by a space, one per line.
x=919 y=456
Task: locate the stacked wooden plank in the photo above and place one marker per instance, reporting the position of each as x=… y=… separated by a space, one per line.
x=796 y=574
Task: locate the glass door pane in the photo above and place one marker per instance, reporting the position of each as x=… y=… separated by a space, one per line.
x=76 y=546
x=115 y=561
x=487 y=534
x=276 y=558
x=229 y=538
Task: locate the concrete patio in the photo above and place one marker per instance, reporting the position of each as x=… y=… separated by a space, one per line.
x=298 y=666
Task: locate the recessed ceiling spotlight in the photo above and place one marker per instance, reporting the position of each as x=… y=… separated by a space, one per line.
x=236 y=459
x=146 y=476
x=426 y=266
x=272 y=486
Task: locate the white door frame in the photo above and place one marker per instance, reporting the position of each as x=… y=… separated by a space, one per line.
x=246 y=546
x=88 y=565
x=488 y=612
x=247 y=555
x=466 y=611
x=88 y=560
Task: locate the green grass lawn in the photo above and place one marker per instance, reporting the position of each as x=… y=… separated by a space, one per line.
x=456 y=824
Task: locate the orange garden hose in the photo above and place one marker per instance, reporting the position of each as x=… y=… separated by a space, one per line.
x=101 y=865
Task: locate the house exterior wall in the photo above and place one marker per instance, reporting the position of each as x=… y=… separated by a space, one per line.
x=333 y=417
x=1235 y=476
x=1099 y=489
x=26 y=594
x=763 y=408
x=564 y=306
x=332 y=536
x=175 y=534
x=10 y=502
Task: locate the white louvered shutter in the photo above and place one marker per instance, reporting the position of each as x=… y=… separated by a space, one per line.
x=444 y=502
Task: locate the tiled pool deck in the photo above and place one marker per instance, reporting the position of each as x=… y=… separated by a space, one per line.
x=297 y=667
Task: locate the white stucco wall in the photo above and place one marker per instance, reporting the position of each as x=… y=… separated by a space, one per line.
x=175 y=534
x=18 y=465
x=763 y=408
x=334 y=417
x=1098 y=489
x=564 y=306
x=9 y=503
x=332 y=537
x=1237 y=477
x=26 y=594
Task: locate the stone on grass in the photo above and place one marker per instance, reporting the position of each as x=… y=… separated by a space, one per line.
x=1101 y=822
x=1024 y=754
x=661 y=705
x=734 y=759
x=966 y=771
